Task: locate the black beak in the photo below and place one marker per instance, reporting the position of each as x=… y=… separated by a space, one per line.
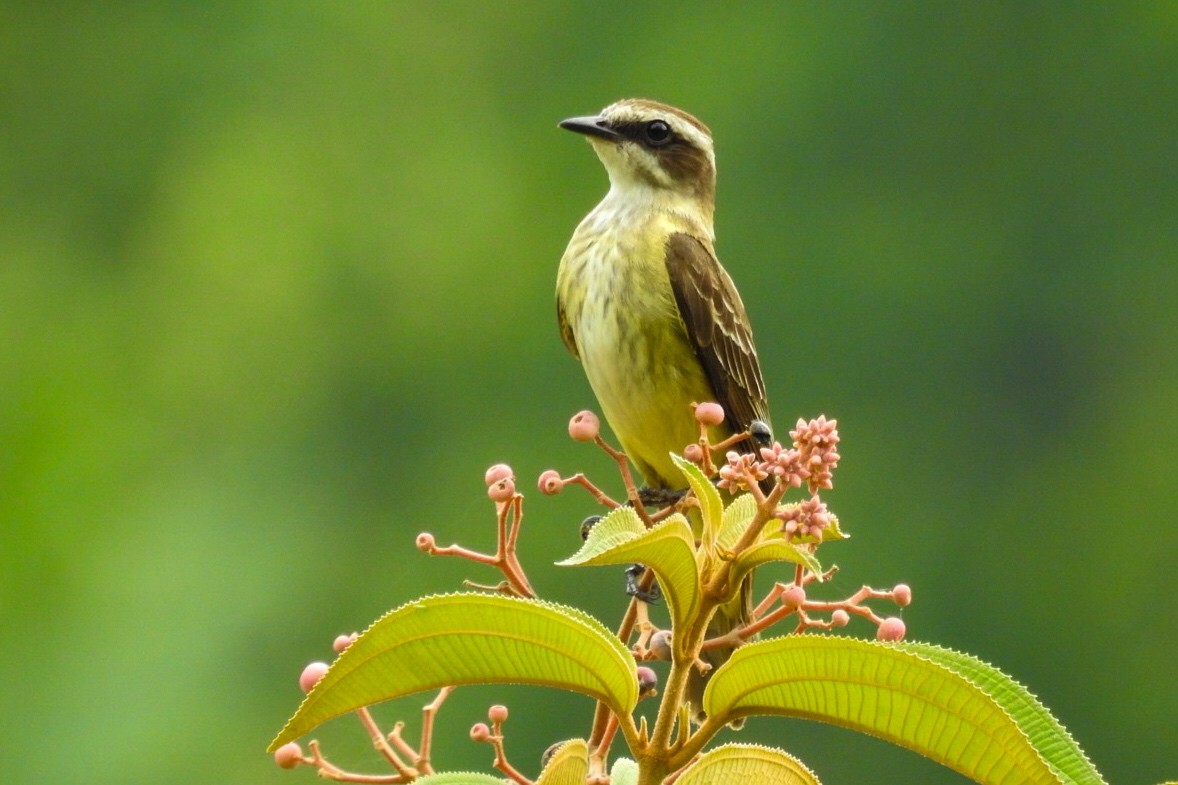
x=591 y=126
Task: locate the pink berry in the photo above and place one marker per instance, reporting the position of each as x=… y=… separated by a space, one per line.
x=647 y=679
x=550 y=483
x=902 y=594
x=892 y=629
x=480 y=732
x=502 y=491
x=426 y=542
x=694 y=453
x=709 y=413
x=497 y=714
x=342 y=642
x=584 y=426
x=500 y=471
x=289 y=755
x=840 y=618
x=793 y=596
x=311 y=675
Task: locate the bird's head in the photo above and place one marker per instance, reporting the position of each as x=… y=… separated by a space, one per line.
x=651 y=147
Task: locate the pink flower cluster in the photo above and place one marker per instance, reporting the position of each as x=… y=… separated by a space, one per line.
x=811 y=460
x=817 y=442
x=806 y=518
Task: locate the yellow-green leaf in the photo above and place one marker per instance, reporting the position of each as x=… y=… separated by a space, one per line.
x=772 y=545
x=890 y=691
x=749 y=764
x=471 y=639
x=620 y=526
x=710 y=505
x=773 y=550
x=1048 y=736
x=460 y=778
x=569 y=764
x=735 y=520
x=668 y=548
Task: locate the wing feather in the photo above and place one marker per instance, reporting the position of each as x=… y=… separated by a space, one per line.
x=718 y=328
x=566 y=329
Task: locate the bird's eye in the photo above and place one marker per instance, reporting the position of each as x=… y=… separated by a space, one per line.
x=657 y=132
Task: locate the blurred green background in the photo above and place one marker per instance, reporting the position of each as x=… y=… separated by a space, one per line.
x=276 y=285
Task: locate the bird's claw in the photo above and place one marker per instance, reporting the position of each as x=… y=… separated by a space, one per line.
x=659 y=497
x=649 y=596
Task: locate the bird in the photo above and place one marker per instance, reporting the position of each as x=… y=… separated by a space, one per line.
x=645 y=305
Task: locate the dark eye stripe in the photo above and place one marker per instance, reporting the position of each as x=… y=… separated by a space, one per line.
x=637 y=131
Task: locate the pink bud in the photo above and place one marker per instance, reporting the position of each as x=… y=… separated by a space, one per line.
x=550 y=483
x=311 y=675
x=891 y=629
x=343 y=641
x=497 y=713
x=502 y=491
x=840 y=618
x=694 y=453
x=647 y=679
x=480 y=732
x=709 y=413
x=288 y=756
x=500 y=471
x=902 y=594
x=426 y=542
x=793 y=596
x=584 y=426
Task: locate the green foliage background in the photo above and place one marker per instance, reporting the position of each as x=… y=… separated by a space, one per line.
x=276 y=285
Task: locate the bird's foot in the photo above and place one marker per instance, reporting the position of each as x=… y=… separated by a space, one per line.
x=650 y=596
x=659 y=497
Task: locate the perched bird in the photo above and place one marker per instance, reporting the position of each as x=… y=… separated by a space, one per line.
x=644 y=304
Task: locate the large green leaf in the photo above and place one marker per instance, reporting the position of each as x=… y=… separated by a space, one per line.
x=1045 y=732
x=668 y=548
x=569 y=764
x=898 y=693
x=471 y=639
x=749 y=764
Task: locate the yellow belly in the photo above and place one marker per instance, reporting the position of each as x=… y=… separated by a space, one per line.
x=617 y=299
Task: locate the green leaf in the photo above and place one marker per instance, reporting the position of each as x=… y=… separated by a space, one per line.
x=460 y=778
x=623 y=772
x=471 y=639
x=711 y=507
x=668 y=548
x=620 y=526
x=773 y=550
x=750 y=764
x=1047 y=735
x=772 y=545
x=900 y=694
x=569 y=764
x=736 y=518
x=832 y=533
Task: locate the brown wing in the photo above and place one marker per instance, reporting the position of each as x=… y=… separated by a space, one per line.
x=718 y=328
x=566 y=330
